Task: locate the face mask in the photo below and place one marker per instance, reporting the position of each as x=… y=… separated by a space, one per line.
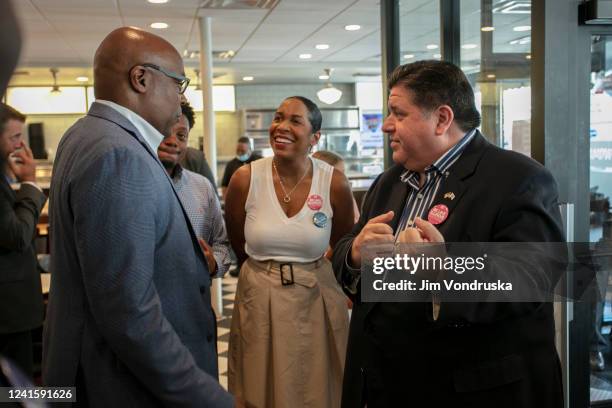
x=243 y=157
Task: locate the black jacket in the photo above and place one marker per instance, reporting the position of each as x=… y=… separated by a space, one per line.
x=21 y=302
x=475 y=354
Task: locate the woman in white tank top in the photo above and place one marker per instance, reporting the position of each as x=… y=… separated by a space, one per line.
x=290 y=319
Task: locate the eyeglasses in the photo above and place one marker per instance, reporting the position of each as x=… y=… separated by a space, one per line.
x=182 y=81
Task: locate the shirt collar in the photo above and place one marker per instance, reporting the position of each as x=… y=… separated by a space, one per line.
x=441 y=165
x=151 y=135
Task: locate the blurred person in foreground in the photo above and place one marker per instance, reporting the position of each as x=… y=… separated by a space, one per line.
x=129 y=320
x=290 y=318
x=470 y=354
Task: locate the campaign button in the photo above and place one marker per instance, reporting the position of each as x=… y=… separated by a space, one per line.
x=438 y=214
x=315 y=202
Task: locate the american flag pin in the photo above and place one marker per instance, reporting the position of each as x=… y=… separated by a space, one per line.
x=450 y=195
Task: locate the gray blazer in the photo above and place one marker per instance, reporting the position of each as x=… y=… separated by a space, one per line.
x=129 y=319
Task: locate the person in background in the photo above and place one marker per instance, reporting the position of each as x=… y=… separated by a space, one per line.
x=290 y=319
x=195 y=161
x=129 y=320
x=244 y=155
x=337 y=162
x=461 y=354
x=21 y=301
x=198 y=195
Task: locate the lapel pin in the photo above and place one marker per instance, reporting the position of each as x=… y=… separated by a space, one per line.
x=450 y=195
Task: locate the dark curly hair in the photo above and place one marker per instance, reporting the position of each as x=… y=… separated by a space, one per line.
x=434 y=83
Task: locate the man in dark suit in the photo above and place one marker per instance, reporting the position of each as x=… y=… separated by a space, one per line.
x=21 y=302
x=129 y=320
x=449 y=354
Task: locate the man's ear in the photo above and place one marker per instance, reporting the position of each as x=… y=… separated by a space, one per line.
x=445 y=116
x=139 y=79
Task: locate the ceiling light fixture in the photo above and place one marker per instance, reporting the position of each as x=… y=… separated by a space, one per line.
x=432 y=46
x=487 y=29
x=159 y=25
x=157 y=1
x=82 y=79
x=323 y=76
x=408 y=56
x=198 y=87
x=522 y=28
x=528 y=56
x=491 y=76
x=56 y=89
x=322 y=46
x=469 y=46
x=330 y=94
x=305 y=56
x=352 y=27
x=437 y=56
x=248 y=78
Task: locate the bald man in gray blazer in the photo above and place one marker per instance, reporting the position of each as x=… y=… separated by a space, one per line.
x=129 y=320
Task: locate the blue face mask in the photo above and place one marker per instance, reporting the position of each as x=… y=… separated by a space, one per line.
x=243 y=157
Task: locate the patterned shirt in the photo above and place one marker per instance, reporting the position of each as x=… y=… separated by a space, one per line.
x=204 y=210
x=421 y=198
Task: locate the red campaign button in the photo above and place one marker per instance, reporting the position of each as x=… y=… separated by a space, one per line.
x=438 y=214
x=315 y=202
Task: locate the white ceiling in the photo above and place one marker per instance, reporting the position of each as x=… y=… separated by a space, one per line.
x=66 y=33
x=267 y=42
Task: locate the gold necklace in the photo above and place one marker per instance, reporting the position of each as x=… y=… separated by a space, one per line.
x=287 y=196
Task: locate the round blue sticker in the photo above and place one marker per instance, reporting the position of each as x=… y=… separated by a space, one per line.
x=319 y=219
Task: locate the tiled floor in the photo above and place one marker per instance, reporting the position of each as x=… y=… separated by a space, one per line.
x=223 y=325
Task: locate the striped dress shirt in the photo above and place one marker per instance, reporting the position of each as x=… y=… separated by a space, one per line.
x=419 y=198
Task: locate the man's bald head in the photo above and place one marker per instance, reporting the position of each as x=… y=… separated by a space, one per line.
x=120 y=77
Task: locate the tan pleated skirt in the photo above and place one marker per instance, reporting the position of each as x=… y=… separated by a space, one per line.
x=288 y=342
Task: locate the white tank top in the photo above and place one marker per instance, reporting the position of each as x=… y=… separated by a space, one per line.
x=270 y=234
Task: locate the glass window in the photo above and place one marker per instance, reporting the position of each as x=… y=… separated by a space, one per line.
x=600 y=220
x=495 y=55
x=224 y=98
x=419 y=30
x=40 y=100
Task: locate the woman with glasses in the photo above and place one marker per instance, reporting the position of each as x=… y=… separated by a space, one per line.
x=290 y=320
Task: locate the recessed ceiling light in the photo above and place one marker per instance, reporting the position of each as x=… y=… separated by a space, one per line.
x=305 y=56
x=408 y=56
x=491 y=76
x=82 y=79
x=247 y=78
x=323 y=76
x=157 y=1
x=528 y=56
x=487 y=28
x=159 y=25
x=352 y=27
x=322 y=46
x=432 y=46
x=469 y=46
x=437 y=56
x=522 y=28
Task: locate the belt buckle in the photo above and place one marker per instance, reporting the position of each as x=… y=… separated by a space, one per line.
x=284 y=281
